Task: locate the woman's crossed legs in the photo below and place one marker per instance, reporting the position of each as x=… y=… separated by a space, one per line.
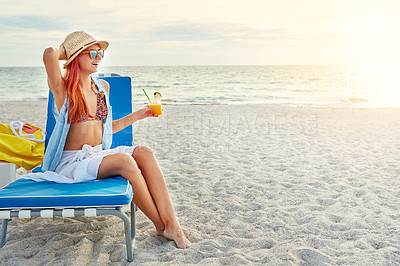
x=150 y=191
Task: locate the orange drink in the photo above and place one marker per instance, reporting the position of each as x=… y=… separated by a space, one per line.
x=156 y=109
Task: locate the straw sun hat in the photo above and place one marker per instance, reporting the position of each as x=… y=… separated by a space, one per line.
x=78 y=41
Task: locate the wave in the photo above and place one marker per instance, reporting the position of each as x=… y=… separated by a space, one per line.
x=21 y=99
x=353 y=100
x=282 y=85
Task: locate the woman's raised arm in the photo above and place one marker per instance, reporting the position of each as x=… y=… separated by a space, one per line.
x=51 y=57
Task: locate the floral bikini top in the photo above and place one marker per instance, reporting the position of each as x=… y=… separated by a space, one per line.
x=102 y=111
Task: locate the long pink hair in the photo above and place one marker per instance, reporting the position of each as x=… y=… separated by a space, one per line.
x=77 y=103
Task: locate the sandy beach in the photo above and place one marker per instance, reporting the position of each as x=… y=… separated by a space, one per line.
x=253 y=184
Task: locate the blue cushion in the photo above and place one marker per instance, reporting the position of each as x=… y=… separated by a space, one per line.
x=121 y=103
x=24 y=193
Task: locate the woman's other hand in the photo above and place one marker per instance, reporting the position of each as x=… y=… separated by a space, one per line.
x=62 y=54
x=144 y=113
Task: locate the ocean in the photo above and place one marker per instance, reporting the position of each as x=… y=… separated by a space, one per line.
x=374 y=86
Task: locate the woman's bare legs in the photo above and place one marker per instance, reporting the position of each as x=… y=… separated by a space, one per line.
x=124 y=165
x=150 y=190
x=151 y=171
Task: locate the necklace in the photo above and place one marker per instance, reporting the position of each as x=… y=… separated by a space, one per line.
x=92 y=86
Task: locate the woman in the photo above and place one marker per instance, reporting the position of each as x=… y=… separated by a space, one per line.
x=79 y=148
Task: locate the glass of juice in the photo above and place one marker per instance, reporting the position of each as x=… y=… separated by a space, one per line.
x=156 y=104
x=156 y=109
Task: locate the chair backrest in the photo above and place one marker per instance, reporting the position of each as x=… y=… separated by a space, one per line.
x=120 y=100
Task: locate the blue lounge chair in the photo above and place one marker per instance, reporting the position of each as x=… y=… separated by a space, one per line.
x=26 y=198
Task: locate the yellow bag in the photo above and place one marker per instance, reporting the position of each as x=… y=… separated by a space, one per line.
x=21 y=144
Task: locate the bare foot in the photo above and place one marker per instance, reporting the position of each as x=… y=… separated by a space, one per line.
x=179 y=237
x=186 y=232
x=160 y=232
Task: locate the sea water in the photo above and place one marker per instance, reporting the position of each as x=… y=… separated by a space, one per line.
x=316 y=86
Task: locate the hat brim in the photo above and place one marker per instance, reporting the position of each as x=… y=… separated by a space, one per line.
x=103 y=45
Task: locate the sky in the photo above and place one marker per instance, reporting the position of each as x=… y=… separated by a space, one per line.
x=207 y=32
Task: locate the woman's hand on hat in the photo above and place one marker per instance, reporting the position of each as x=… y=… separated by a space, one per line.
x=62 y=54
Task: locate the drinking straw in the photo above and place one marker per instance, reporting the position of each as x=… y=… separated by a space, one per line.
x=147 y=96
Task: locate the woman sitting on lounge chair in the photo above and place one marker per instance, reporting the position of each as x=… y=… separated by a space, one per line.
x=79 y=147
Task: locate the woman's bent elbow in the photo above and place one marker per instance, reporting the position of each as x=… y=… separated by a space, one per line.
x=49 y=52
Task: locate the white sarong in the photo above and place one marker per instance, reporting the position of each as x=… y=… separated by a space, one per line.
x=77 y=166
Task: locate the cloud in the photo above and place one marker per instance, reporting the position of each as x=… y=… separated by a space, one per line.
x=208 y=27
x=186 y=44
x=182 y=32
x=32 y=22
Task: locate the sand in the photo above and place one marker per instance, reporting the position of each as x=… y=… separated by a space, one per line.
x=255 y=184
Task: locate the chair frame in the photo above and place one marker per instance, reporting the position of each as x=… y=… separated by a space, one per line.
x=129 y=226
x=7 y=214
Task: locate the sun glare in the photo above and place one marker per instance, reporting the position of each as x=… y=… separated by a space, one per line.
x=372 y=41
x=389 y=92
x=383 y=85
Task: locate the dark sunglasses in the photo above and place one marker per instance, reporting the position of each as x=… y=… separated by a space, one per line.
x=93 y=53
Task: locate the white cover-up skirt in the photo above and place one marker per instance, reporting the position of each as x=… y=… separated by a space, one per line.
x=78 y=166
